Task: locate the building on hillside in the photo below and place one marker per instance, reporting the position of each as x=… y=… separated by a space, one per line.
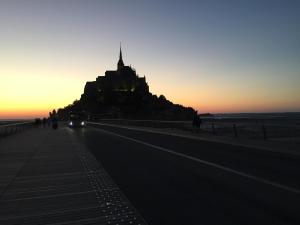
x=124 y=79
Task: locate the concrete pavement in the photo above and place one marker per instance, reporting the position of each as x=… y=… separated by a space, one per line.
x=48 y=177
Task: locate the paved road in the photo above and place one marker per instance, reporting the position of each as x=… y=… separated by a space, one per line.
x=175 y=180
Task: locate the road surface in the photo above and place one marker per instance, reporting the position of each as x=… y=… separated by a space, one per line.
x=176 y=180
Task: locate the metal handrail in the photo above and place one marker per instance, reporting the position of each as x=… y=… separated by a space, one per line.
x=13 y=128
x=14 y=124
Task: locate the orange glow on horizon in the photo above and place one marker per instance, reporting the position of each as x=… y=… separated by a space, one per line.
x=23 y=95
x=39 y=113
x=29 y=106
x=23 y=114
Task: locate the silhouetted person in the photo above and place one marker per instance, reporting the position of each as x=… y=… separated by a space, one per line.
x=54 y=119
x=48 y=121
x=44 y=122
x=37 y=121
x=54 y=123
x=197 y=121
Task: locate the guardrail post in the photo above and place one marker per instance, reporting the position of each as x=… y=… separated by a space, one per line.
x=264 y=132
x=235 y=130
x=213 y=128
x=8 y=129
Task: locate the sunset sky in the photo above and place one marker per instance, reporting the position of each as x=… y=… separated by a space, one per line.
x=216 y=56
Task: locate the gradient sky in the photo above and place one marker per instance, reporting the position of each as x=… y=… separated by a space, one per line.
x=216 y=56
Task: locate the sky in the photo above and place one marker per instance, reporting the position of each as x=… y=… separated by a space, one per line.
x=216 y=56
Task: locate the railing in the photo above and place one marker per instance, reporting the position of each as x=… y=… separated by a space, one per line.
x=258 y=129
x=13 y=128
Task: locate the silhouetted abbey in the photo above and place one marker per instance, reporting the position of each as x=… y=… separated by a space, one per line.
x=122 y=80
x=122 y=93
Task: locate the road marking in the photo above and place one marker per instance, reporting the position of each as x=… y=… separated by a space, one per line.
x=224 y=168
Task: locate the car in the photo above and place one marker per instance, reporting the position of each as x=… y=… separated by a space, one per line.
x=77 y=119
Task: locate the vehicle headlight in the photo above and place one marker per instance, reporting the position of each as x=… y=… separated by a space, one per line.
x=71 y=123
x=82 y=123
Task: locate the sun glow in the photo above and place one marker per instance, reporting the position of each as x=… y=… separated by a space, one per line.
x=34 y=96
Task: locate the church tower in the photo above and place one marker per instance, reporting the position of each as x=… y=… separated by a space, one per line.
x=120 y=63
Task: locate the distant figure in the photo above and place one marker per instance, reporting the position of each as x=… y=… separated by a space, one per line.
x=54 y=123
x=197 y=121
x=44 y=122
x=54 y=120
x=37 y=121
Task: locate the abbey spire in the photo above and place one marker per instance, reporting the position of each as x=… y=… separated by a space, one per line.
x=120 y=63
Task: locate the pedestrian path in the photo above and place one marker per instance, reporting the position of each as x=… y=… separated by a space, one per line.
x=48 y=177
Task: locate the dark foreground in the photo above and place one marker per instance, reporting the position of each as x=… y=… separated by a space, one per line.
x=48 y=177
x=173 y=180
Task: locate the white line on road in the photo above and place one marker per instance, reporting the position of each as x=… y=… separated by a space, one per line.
x=224 y=168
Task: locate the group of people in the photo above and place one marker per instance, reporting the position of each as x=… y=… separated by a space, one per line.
x=50 y=121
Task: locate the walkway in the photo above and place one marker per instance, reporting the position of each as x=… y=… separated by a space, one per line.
x=48 y=177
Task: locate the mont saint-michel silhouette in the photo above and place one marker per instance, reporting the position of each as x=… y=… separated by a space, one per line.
x=122 y=93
